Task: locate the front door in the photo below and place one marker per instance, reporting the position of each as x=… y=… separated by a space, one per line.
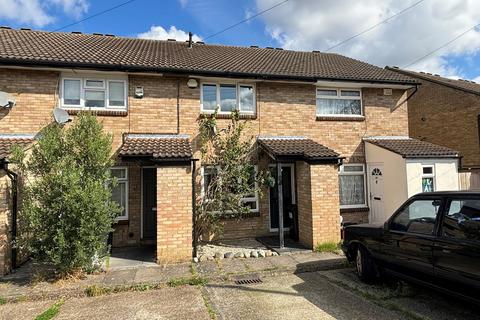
x=377 y=212
x=149 y=199
x=288 y=194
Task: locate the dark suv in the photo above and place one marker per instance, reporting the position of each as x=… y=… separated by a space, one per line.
x=433 y=238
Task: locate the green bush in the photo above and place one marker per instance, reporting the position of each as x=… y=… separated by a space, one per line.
x=67 y=211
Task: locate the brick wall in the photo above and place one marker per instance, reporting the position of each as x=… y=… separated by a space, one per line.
x=447 y=117
x=5 y=248
x=282 y=109
x=174 y=214
x=318 y=203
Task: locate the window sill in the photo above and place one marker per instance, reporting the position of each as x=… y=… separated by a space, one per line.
x=229 y=116
x=340 y=118
x=357 y=209
x=121 y=221
x=253 y=214
x=106 y=112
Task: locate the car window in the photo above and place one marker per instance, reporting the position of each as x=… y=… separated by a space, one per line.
x=462 y=220
x=418 y=216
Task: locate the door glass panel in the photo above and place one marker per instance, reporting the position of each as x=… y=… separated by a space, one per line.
x=288 y=205
x=462 y=220
x=417 y=217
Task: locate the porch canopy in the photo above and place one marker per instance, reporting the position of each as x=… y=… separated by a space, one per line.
x=297 y=148
x=156 y=147
x=291 y=149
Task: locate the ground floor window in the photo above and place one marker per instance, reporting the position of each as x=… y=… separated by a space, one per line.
x=428 y=178
x=352 y=185
x=208 y=173
x=120 y=192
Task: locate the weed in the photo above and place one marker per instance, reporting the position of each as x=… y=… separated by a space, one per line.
x=50 y=312
x=2 y=300
x=327 y=247
x=208 y=305
x=192 y=281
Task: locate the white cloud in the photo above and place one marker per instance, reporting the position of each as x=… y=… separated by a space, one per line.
x=318 y=25
x=38 y=13
x=476 y=79
x=75 y=8
x=159 y=33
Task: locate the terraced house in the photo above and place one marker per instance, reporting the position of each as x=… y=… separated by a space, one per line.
x=311 y=112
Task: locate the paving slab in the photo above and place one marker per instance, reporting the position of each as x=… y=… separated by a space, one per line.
x=161 y=274
x=24 y=310
x=232 y=266
x=259 y=264
x=282 y=262
x=168 y=303
x=208 y=268
x=120 y=277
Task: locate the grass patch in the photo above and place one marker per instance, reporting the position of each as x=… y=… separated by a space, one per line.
x=208 y=305
x=192 y=281
x=2 y=301
x=331 y=247
x=95 y=291
x=50 y=312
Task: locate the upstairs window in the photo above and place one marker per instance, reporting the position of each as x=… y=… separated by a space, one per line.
x=339 y=102
x=93 y=93
x=227 y=97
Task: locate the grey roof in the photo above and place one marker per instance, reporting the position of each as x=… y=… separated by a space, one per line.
x=59 y=49
x=413 y=148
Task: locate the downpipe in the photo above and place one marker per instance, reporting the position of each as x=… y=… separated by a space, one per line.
x=14 y=179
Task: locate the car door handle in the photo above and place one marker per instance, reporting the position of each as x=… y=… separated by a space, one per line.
x=377 y=198
x=446 y=251
x=154 y=209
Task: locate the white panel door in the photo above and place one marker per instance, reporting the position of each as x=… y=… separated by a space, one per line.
x=375 y=178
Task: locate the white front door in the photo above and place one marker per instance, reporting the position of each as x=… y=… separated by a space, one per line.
x=377 y=212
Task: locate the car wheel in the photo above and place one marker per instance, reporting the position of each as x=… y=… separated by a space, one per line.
x=365 y=265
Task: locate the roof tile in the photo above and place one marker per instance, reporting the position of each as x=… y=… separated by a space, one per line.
x=296 y=147
x=133 y=54
x=413 y=148
x=156 y=146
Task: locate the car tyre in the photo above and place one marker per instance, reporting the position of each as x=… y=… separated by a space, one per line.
x=366 y=269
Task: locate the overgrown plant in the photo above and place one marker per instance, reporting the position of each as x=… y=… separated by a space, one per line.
x=67 y=211
x=228 y=155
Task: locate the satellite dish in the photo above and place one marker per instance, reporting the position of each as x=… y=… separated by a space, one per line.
x=61 y=116
x=6 y=100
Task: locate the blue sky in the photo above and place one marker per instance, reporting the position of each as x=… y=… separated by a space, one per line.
x=296 y=25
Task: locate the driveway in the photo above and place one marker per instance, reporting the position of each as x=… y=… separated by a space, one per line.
x=318 y=295
x=334 y=294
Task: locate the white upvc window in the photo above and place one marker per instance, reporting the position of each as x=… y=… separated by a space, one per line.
x=339 y=102
x=93 y=92
x=428 y=178
x=251 y=201
x=352 y=185
x=227 y=97
x=120 y=191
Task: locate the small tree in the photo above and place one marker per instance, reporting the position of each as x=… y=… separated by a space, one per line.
x=67 y=211
x=228 y=155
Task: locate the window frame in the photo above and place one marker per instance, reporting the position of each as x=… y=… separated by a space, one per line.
x=353 y=173
x=339 y=97
x=428 y=175
x=126 y=182
x=447 y=203
x=438 y=221
x=237 y=104
x=244 y=199
x=83 y=88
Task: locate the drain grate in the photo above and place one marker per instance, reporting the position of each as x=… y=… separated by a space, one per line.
x=250 y=280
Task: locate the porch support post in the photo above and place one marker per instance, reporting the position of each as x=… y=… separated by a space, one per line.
x=280 y=206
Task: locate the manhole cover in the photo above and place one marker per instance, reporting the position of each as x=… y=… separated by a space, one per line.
x=248 y=280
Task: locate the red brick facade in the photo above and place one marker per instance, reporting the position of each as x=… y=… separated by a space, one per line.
x=286 y=109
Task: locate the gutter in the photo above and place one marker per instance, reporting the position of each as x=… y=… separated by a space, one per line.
x=14 y=179
x=185 y=72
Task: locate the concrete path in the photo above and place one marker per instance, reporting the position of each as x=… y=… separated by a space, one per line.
x=334 y=294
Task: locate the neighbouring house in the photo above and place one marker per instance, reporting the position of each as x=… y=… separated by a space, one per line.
x=447 y=112
x=310 y=111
